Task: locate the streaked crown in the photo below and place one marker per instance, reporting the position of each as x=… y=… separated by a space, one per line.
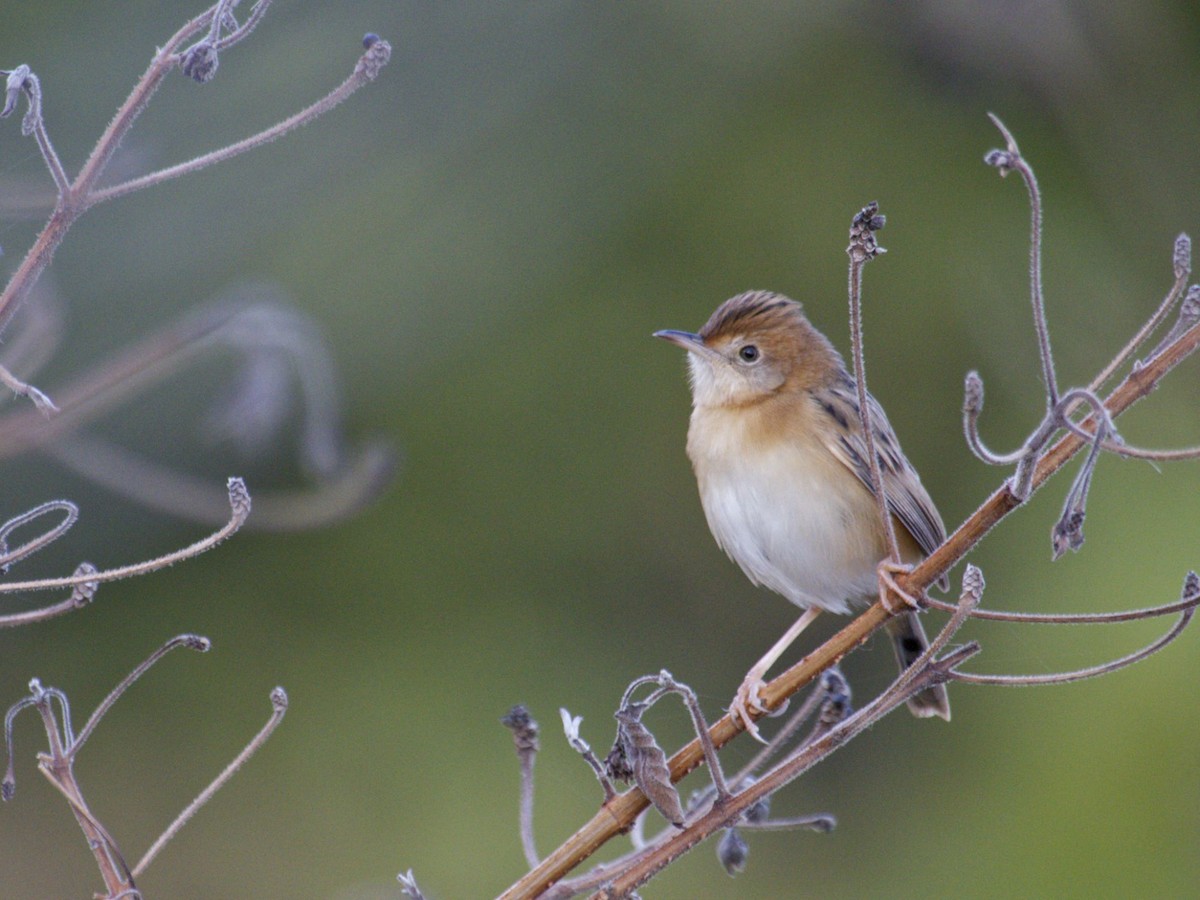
x=754 y=345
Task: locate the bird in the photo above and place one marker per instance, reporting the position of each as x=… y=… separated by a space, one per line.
x=777 y=445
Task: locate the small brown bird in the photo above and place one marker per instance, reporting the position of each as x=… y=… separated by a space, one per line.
x=777 y=445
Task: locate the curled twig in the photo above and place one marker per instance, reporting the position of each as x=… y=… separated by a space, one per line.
x=239 y=504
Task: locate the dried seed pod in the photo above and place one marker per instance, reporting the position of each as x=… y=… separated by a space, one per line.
x=648 y=763
x=617 y=764
x=733 y=851
x=200 y=62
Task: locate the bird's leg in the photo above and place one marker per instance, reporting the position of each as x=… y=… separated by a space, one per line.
x=747 y=698
x=887 y=572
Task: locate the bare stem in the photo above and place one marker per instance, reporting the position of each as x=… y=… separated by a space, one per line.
x=862 y=249
x=814 y=699
x=256 y=14
x=239 y=500
x=1011 y=160
x=579 y=745
x=1130 y=615
x=190 y=641
x=71 y=199
x=1092 y=671
x=22 y=81
x=688 y=696
x=367 y=69
x=525 y=738
x=279 y=704
x=1182 y=264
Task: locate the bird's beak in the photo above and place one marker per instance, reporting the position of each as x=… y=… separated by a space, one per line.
x=693 y=343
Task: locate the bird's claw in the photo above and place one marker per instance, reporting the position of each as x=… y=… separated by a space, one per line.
x=887 y=572
x=746 y=699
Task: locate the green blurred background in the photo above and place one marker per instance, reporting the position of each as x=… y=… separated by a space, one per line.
x=487 y=237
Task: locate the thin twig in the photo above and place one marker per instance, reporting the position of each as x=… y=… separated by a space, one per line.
x=778 y=740
x=69 y=205
x=190 y=641
x=81 y=595
x=367 y=69
x=579 y=745
x=525 y=738
x=70 y=515
x=861 y=250
x=21 y=80
x=239 y=500
x=822 y=822
x=40 y=399
x=279 y=704
x=972 y=409
x=1081 y=674
x=1182 y=265
x=1132 y=615
x=1011 y=160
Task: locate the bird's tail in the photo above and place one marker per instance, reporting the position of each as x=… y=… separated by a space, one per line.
x=909 y=641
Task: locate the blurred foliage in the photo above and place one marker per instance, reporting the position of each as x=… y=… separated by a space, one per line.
x=487 y=236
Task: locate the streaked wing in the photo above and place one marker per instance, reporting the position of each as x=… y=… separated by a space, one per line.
x=906 y=496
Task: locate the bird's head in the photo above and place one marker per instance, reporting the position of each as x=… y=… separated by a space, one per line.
x=755 y=345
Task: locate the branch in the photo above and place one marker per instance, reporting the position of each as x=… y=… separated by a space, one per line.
x=377 y=54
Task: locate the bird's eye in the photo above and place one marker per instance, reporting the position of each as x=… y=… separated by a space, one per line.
x=749 y=353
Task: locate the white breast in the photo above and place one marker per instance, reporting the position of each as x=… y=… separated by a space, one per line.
x=774 y=508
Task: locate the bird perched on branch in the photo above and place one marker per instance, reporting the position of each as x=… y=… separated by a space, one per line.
x=776 y=442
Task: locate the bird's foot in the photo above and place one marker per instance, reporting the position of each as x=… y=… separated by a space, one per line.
x=746 y=699
x=888 y=586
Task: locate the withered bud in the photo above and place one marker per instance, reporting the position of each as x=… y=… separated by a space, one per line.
x=834 y=682
x=648 y=763
x=870 y=218
x=1002 y=160
x=866 y=222
x=733 y=851
x=1189 y=310
x=200 y=62
x=973 y=394
x=1182 y=259
x=371 y=63
x=972 y=581
x=1067 y=533
x=408 y=886
x=14 y=84
x=523 y=727
x=616 y=764
x=834 y=709
x=1191 y=585
x=759 y=810
x=239 y=498
x=82 y=594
